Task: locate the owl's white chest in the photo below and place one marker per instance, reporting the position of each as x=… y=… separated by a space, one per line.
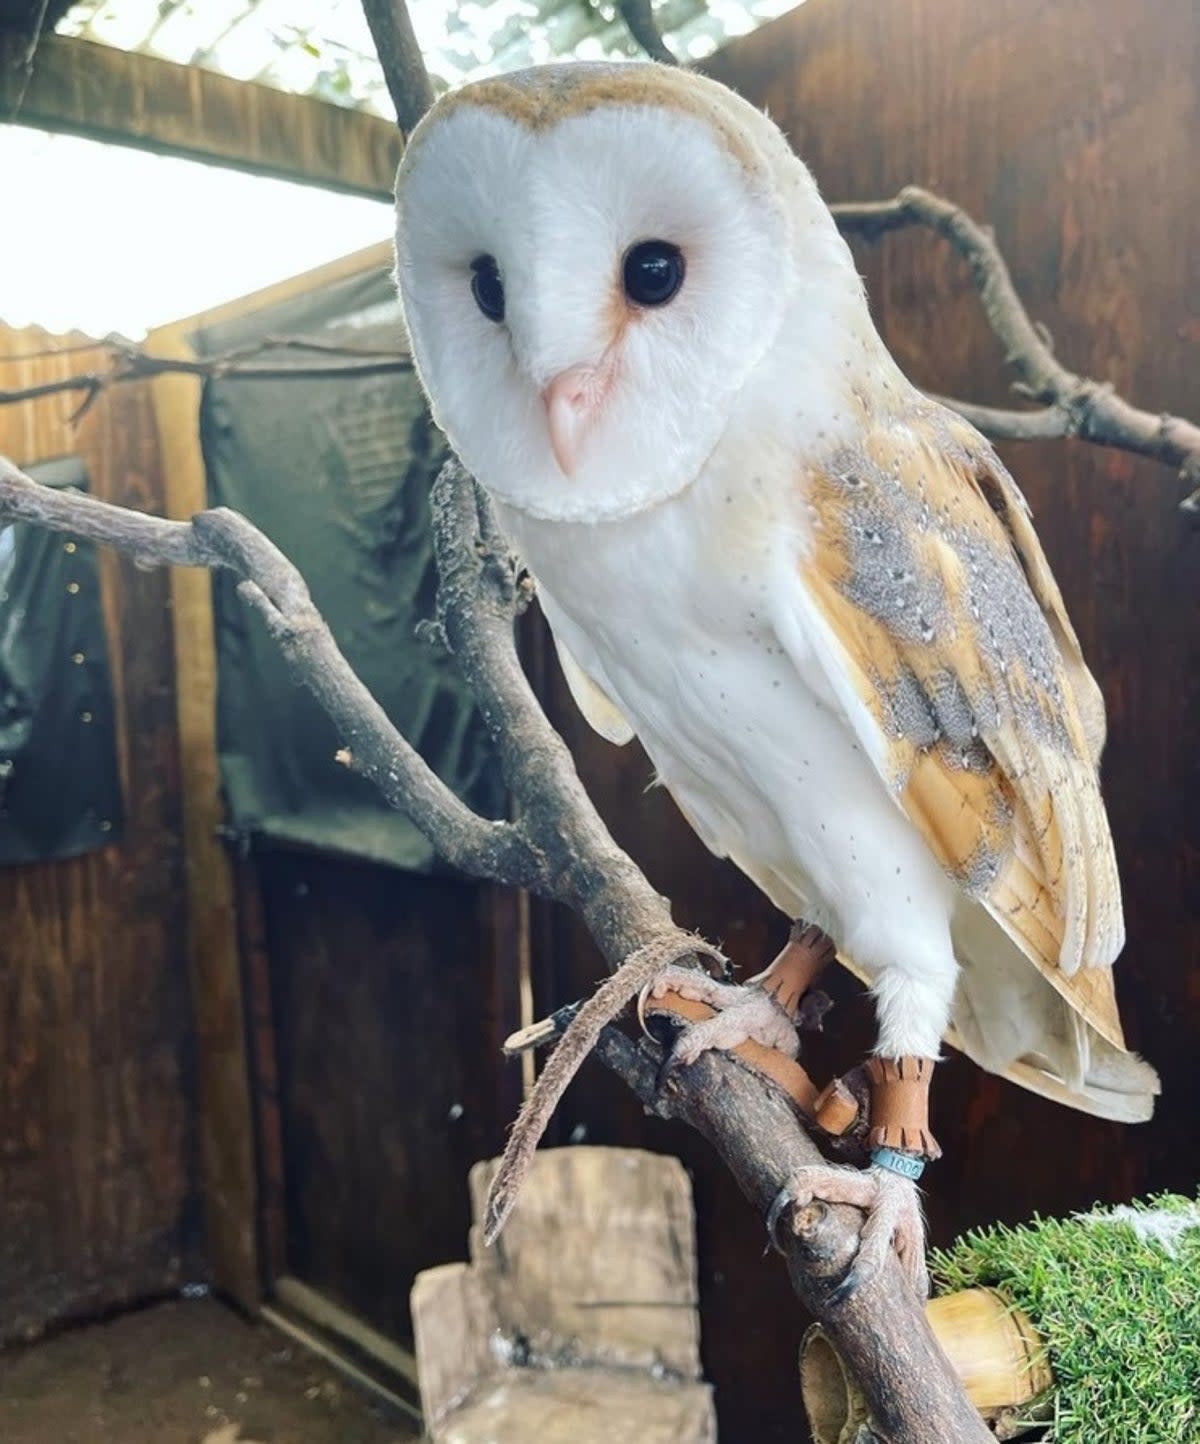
x=673 y=613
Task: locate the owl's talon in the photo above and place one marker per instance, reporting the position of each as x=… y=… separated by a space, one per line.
x=741 y=1014
x=779 y=1206
x=893 y=1220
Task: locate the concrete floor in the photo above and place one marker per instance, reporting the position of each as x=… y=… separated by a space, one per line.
x=185 y=1372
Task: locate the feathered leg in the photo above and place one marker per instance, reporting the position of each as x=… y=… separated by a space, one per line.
x=914 y=1007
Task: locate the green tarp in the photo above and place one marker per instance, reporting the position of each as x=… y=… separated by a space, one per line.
x=337 y=473
x=60 y=791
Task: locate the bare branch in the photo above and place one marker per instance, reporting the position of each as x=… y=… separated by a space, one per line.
x=639 y=17
x=131 y=363
x=479 y=592
x=1048 y=423
x=404 y=69
x=1091 y=410
x=25 y=61
x=272 y=584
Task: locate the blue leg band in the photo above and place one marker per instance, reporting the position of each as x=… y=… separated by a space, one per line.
x=902 y=1163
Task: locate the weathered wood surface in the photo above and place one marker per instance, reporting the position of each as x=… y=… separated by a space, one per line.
x=390 y=1008
x=1078 y=154
x=584 y=1406
x=598 y=1262
x=224 y=1111
x=580 y=1323
x=117 y=95
x=98 y=1193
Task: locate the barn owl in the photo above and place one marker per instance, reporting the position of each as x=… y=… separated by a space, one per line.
x=815 y=596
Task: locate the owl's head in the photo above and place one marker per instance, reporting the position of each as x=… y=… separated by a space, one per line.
x=592 y=259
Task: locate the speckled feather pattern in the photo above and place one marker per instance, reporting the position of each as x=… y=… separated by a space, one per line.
x=919 y=573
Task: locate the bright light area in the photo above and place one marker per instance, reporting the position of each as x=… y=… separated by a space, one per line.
x=323 y=47
x=119 y=240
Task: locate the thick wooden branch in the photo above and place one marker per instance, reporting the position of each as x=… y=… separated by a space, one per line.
x=1091 y=410
x=481 y=589
x=881 y=1328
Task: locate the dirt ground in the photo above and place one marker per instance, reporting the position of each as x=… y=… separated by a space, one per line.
x=186 y=1372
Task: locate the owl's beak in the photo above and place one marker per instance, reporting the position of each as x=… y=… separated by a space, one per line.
x=572 y=400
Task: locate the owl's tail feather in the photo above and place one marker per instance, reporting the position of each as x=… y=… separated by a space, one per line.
x=1013 y=1022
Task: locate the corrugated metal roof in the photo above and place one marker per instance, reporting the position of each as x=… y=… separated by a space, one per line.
x=323 y=47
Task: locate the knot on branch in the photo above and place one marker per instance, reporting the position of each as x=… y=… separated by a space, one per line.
x=1079 y=399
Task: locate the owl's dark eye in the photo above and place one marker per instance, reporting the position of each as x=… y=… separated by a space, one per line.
x=653 y=272
x=487 y=287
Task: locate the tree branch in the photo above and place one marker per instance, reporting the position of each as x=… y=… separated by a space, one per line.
x=1091 y=410
x=638 y=16
x=404 y=69
x=131 y=363
x=881 y=1329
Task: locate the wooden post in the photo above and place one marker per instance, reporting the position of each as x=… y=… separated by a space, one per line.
x=227 y=1150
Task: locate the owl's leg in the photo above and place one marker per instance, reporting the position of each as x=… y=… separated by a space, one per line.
x=766 y=1010
x=914 y=1010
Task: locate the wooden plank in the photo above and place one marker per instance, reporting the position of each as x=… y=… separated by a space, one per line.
x=371 y=258
x=224 y=1103
x=389 y=1017
x=97 y=1178
x=120 y=96
x=348 y=1329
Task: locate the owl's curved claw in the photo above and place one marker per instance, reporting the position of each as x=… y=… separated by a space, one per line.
x=779 y=1206
x=688 y=983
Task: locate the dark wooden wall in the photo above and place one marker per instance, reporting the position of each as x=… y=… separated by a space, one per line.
x=390 y=994
x=1070 y=127
x=98 y=1200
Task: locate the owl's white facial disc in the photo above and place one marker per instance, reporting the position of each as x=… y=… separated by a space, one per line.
x=582 y=402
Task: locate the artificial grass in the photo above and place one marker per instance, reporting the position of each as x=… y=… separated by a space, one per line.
x=1116 y=1296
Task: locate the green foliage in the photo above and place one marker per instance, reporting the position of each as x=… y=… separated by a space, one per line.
x=1116 y=1296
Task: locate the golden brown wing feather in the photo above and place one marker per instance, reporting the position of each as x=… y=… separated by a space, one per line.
x=972 y=694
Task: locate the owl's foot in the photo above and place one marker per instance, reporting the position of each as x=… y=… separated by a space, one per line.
x=739 y=1015
x=893 y=1218
x=766 y=1011
x=757 y=1023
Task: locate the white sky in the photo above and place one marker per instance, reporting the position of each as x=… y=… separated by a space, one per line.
x=113 y=239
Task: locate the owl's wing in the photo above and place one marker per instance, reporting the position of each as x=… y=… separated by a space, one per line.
x=942 y=633
x=597 y=707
